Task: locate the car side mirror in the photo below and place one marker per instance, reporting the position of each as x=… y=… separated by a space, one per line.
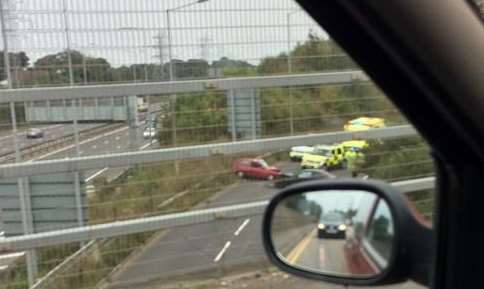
x=306 y=232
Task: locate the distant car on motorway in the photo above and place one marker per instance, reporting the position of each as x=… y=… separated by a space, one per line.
x=149 y=132
x=35 y=133
x=301 y=176
x=297 y=152
x=255 y=168
x=364 y=123
x=332 y=225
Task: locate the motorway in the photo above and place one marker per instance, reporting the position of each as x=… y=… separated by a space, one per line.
x=108 y=142
x=208 y=247
x=51 y=132
x=217 y=249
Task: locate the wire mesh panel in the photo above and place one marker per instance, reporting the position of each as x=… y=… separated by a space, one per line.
x=156 y=110
x=64 y=42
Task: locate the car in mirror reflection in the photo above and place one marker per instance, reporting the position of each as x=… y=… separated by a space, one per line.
x=336 y=232
x=332 y=225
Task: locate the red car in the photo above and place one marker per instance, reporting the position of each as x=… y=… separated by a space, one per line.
x=255 y=168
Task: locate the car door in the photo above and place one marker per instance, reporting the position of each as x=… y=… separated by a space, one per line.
x=257 y=170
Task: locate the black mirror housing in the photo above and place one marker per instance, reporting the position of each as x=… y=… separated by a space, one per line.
x=412 y=242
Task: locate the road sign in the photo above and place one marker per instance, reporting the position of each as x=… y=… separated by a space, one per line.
x=52 y=199
x=244 y=113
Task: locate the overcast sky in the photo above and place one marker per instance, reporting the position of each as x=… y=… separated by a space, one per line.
x=125 y=31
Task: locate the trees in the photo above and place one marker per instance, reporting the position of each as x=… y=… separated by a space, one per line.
x=397 y=159
x=231 y=67
x=57 y=68
x=315 y=54
x=17 y=60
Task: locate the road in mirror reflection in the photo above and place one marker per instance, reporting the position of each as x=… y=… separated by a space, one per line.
x=338 y=233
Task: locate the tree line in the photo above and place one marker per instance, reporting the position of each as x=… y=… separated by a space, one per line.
x=53 y=69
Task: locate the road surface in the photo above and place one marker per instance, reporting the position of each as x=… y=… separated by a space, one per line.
x=321 y=255
x=205 y=247
x=214 y=249
x=51 y=132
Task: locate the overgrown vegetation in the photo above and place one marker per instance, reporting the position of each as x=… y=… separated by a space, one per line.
x=400 y=159
x=143 y=191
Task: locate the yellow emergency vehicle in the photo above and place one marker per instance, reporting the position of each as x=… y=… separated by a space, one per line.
x=364 y=123
x=333 y=156
x=324 y=156
x=356 y=145
x=297 y=152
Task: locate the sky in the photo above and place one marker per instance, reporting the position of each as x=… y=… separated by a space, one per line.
x=336 y=200
x=128 y=31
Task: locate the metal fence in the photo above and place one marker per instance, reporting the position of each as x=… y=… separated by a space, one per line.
x=218 y=80
x=63 y=42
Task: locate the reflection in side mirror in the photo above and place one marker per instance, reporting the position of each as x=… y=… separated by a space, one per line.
x=336 y=232
x=351 y=232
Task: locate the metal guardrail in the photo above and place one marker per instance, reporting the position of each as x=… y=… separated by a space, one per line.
x=88 y=233
x=80 y=92
x=194 y=152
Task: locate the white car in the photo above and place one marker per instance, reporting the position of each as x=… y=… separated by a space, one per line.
x=35 y=133
x=149 y=132
x=297 y=152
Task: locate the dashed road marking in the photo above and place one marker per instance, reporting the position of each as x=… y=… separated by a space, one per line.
x=222 y=252
x=12 y=255
x=242 y=226
x=96 y=174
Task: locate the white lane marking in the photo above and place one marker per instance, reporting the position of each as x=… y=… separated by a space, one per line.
x=221 y=254
x=95 y=175
x=94 y=147
x=5 y=267
x=106 y=142
x=322 y=256
x=147 y=145
x=118 y=138
x=81 y=143
x=118 y=147
x=2 y=234
x=12 y=255
x=244 y=224
x=90 y=189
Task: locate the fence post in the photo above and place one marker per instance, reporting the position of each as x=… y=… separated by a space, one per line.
x=133 y=122
x=254 y=117
x=291 y=111
x=27 y=224
x=24 y=196
x=232 y=114
x=173 y=119
x=77 y=177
